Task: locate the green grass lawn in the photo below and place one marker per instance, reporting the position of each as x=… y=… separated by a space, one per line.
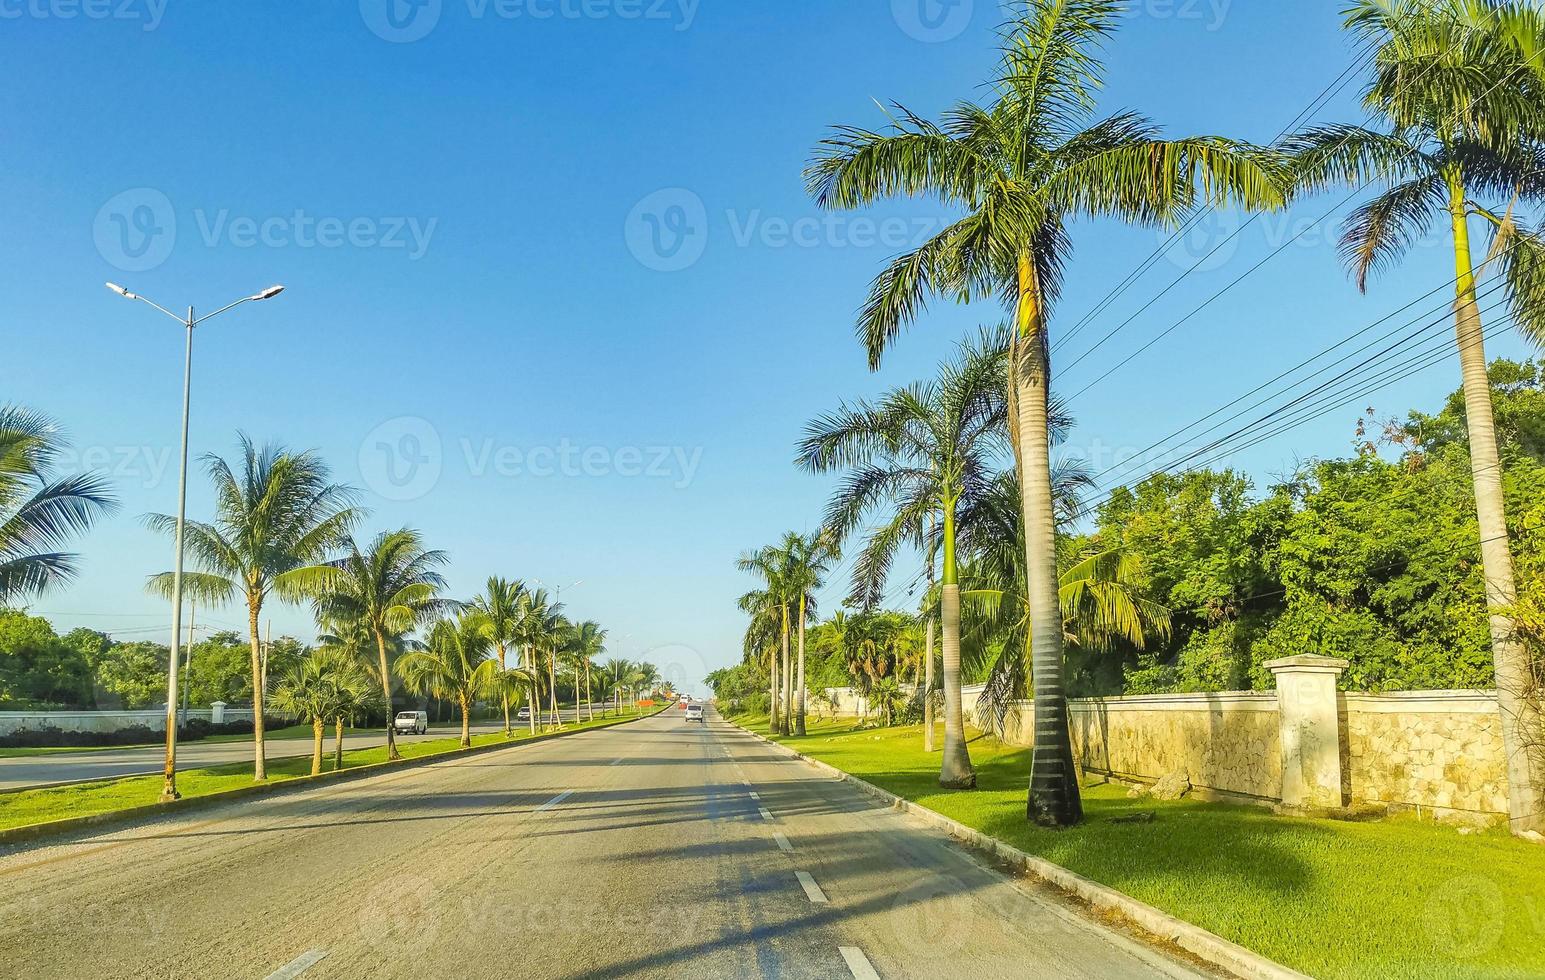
x=41 y=805
x=1375 y=899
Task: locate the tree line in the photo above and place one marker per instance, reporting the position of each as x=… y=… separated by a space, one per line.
x=1456 y=100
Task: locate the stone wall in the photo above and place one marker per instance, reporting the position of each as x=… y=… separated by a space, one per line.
x=108 y=721
x=1437 y=749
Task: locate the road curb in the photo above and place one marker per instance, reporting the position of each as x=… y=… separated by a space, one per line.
x=1207 y=946
x=193 y=804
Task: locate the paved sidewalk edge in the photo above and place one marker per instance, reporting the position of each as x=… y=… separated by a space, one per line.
x=1211 y=948
x=52 y=828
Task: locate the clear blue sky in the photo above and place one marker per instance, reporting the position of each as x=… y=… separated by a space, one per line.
x=465 y=203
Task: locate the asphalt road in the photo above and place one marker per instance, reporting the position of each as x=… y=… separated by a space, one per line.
x=23 y=772
x=661 y=848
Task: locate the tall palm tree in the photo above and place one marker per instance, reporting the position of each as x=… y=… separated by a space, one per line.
x=352 y=641
x=917 y=453
x=1022 y=166
x=392 y=587
x=326 y=685
x=585 y=642
x=1463 y=119
x=276 y=523
x=39 y=514
x=614 y=670
x=810 y=557
x=534 y=627
x=769 y=611
x=458 y=665
x=500 y=605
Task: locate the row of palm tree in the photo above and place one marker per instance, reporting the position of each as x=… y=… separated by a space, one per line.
x=1460 y=88
x=791 y=572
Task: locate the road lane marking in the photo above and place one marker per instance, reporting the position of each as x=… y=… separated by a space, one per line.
x=754 y=796
x=783 y=843
x=812 y=890
x=618 y=762
x=765 y=814
x=858 y=963
x=299 y=965
x=554 y=801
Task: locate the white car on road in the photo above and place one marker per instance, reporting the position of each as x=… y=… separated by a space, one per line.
x=694 y=712
x=411 y=723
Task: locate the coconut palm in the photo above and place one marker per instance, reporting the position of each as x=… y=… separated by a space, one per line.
x=1021 y=167
x=352 y=641
x=1463 y=117
x=584 y=642
x=917 y=453
x=39 y=514
x=276 y=523
x=391 y=587
x=542 y=629
x=326 y=684
x=810 y=558
x=614 y=670
x=769 y=627
x=500 y=605
x=457 y=665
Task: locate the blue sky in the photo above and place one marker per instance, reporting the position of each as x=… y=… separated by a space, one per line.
x=556 y=295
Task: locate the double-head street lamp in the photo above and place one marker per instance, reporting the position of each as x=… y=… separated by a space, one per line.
x=169 y=787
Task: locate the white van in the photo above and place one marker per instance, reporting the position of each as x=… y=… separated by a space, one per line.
x=411 y=722
x=695 y=712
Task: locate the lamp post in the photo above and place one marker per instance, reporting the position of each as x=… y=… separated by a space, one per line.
x=169 y=787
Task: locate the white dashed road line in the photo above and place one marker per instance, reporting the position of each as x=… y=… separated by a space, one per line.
x=755 y=797
x=618 y=762
x=783 y=843
x=812 y=890
x=555 y=801
x=858 y=963
x=298 y=965
x=765 y=814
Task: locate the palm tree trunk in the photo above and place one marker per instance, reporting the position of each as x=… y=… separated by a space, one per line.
x=955 y=771
x=590 y=695
x=785 y=719
x=1521 y=722
x=772 y=689
x=318 y=732
x=552 y=687
x=259 y=759
x=466 y=721
x=386 y=691
x=799 y=684
x=505 y=696
x=534 y=698
x=1053 y=799
x=928 y=721
x=338 y=744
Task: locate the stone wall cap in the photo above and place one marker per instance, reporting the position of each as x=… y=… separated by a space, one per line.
x=1308 y=662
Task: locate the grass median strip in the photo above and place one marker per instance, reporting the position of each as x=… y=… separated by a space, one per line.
x=27 y=807
x=1399 y=897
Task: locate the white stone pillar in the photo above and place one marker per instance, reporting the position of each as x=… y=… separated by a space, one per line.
x=217 y=713
x=1310 y=729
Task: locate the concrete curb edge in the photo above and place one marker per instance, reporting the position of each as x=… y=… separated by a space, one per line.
x=52 y=828
x=1207 y=946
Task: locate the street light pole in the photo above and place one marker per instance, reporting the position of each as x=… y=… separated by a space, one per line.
x=169 y=785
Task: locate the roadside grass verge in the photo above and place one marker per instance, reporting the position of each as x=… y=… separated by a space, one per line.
x=273 y=735
x=26 y=807
x=1398 y=897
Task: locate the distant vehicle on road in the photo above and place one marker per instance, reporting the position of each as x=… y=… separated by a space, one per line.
x=694 y=712
x=524 y=714
x=411 y=722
